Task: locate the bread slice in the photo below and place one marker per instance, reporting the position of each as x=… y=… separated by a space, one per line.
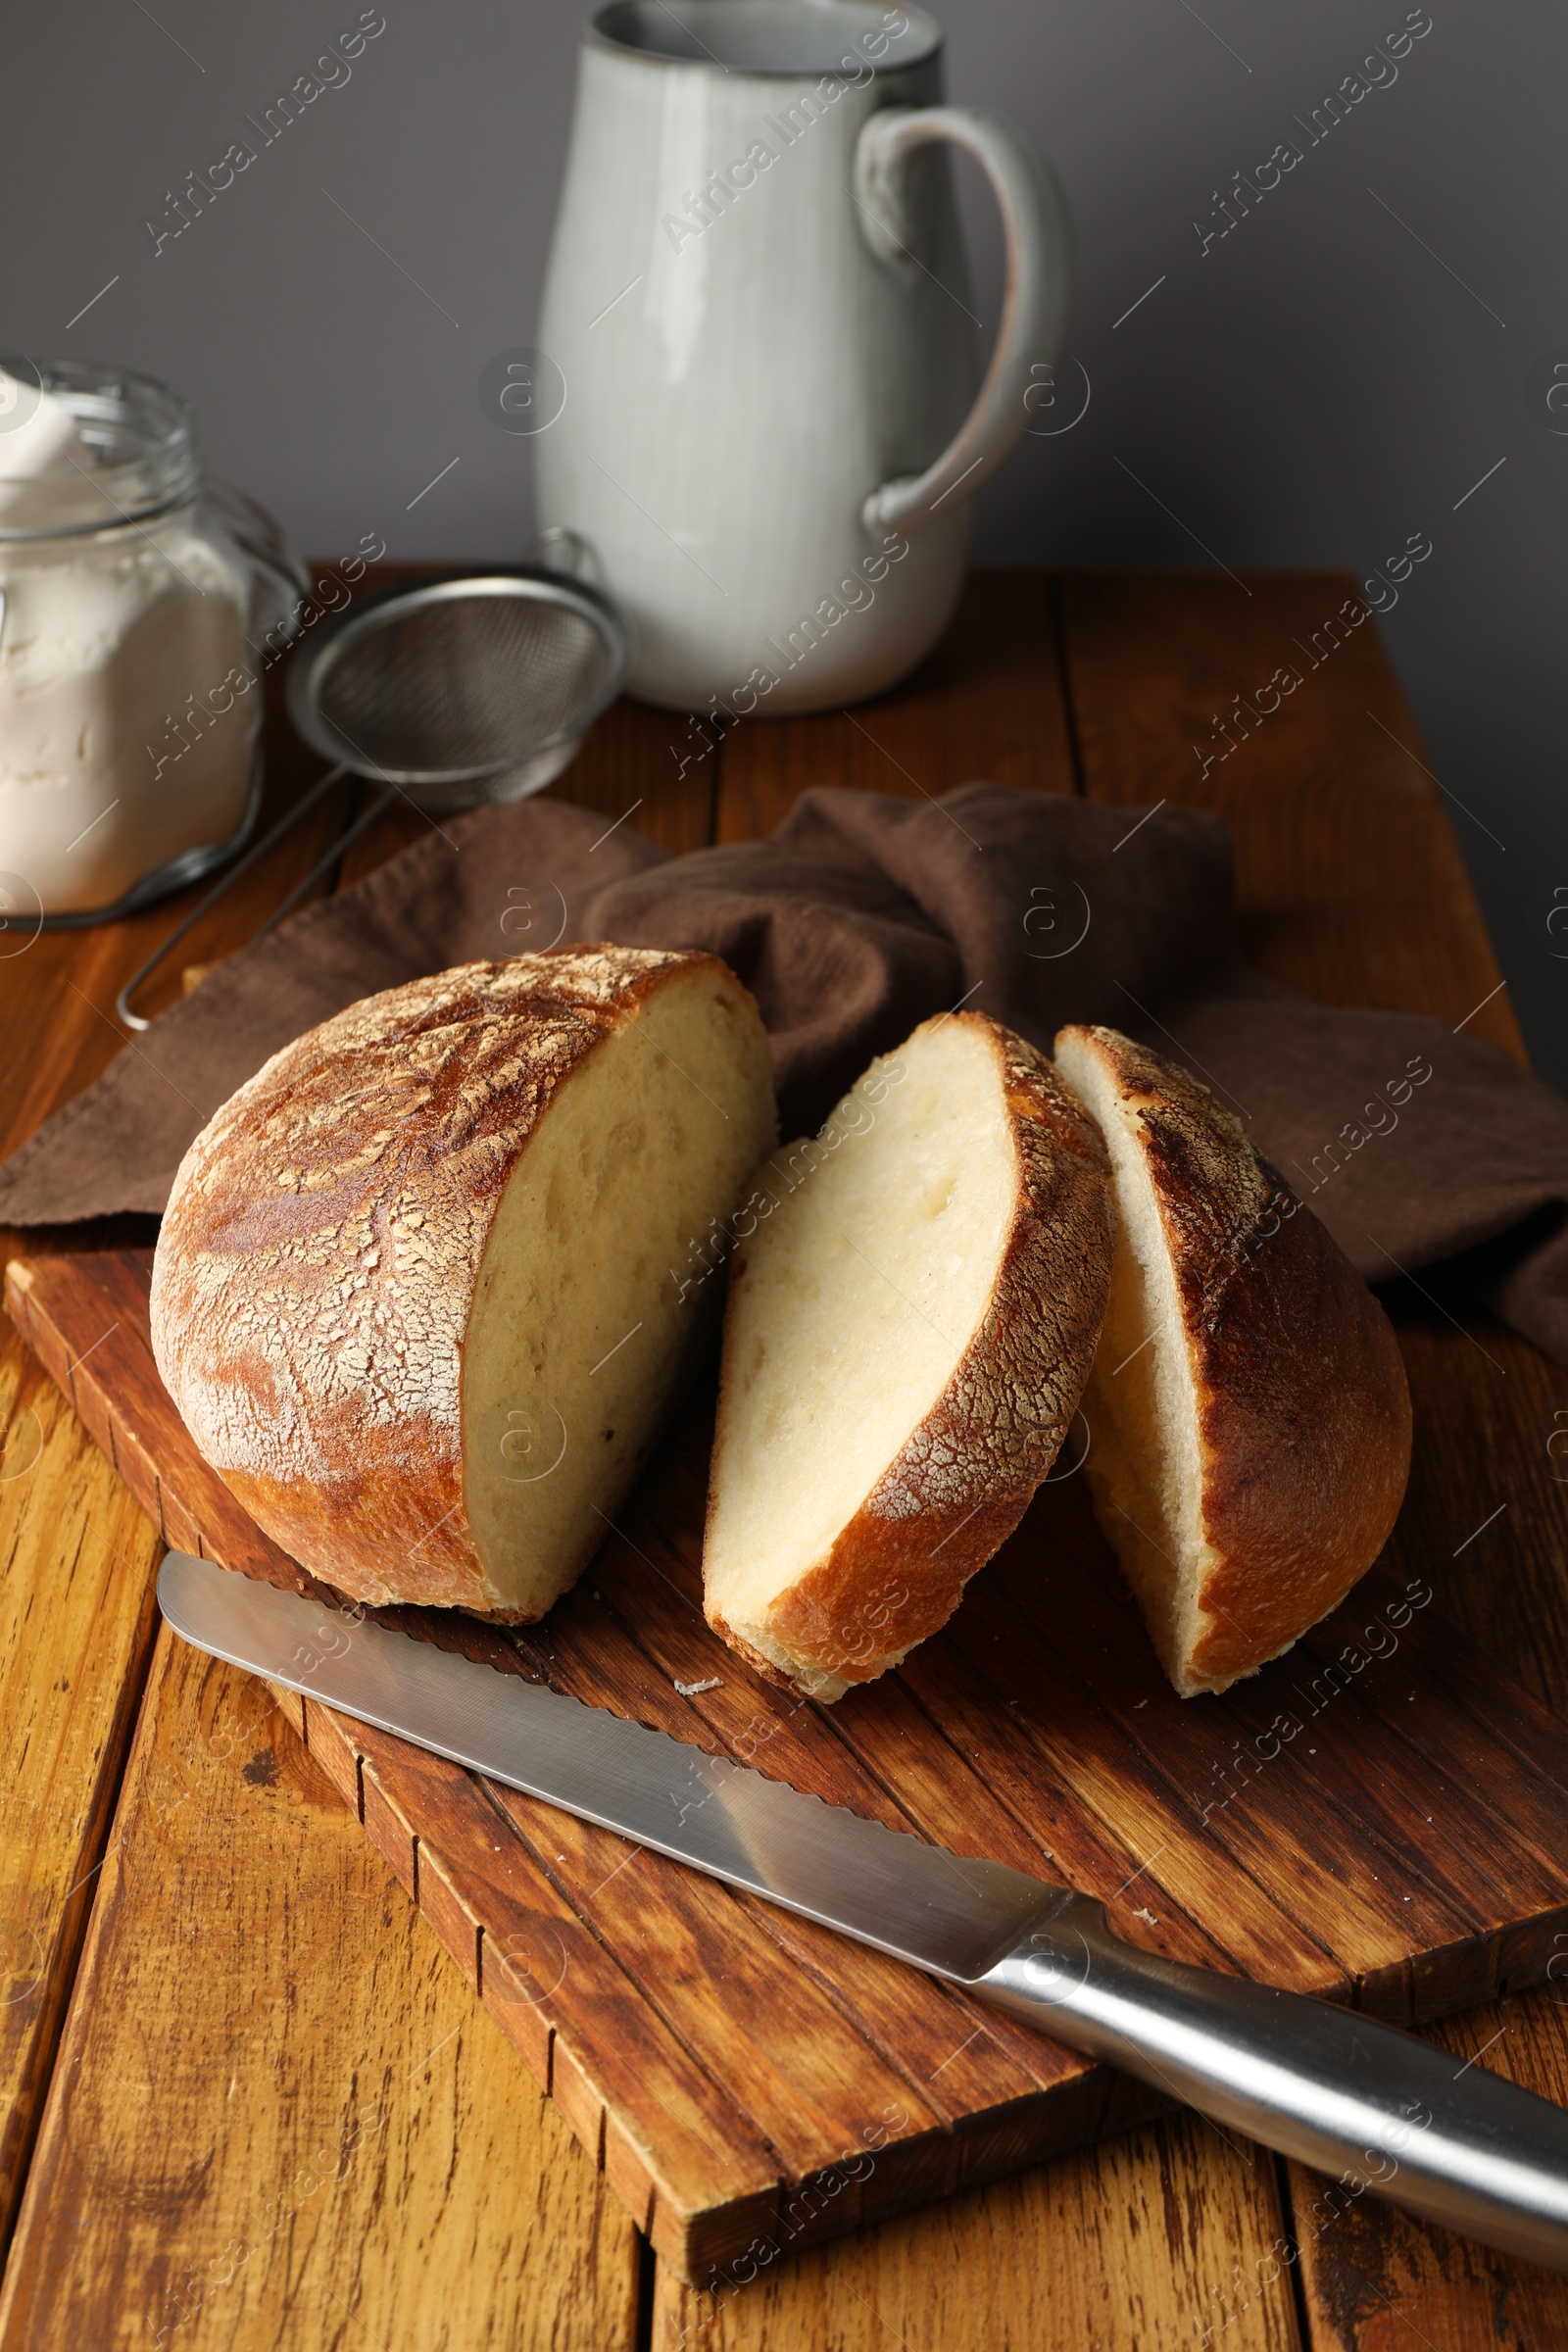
x=1249 y=1419
x=429 y=1285
x=912 y=1311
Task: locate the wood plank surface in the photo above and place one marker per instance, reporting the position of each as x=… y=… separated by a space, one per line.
x=1352 y=890
x=76 y=1622
x=1348 y=877
x=1400 y=1852
x=988 y=702
x=1132 y=2247
x=278 y=2117
x=1373 y=2279
x=72 y=1672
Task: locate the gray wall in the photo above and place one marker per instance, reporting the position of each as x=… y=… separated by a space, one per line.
x=1312 y=389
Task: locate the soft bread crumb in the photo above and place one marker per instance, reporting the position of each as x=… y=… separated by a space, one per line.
x=910 y=1320
x=1144 y=1471
x=1249 y=1414
x=430 y=1282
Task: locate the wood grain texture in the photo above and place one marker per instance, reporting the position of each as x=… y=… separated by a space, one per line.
x=1374 y=2280
x=78 y=1559
x=1488 y=1405
x=76 y=1604
x=1489 y=1446
x=1352 y=888
x=1348 y=877
x=76 y=1608
x=278 y=2116
x=1355 y=1822
x=1133 y=2247
x=988 y=702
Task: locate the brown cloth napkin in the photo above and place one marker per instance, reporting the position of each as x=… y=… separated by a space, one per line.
x=858 y=919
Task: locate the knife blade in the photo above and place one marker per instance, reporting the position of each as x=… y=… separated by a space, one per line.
x=1321 y=2082
x=913 y=1900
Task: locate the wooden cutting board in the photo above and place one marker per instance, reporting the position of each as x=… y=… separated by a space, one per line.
x=1380 y=1817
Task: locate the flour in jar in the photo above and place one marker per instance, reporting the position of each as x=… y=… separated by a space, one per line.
x=109 y=628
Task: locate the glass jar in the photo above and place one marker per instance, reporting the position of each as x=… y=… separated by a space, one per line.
x=138 y=609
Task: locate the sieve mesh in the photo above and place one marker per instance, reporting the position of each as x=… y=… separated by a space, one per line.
x=447 y=694
x=429 y=689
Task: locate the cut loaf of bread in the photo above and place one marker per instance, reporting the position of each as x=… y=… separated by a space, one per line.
x=1249 y=1419
x=912 y=1311
x=429 y=1285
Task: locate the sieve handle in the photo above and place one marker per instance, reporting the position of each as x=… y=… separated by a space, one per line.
x=328 y=857
x=290 y=817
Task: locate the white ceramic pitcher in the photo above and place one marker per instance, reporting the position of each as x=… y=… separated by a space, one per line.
x=765 y=418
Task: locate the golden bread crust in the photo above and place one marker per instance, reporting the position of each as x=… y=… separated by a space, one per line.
x=1303 y=1413
x=322 y=1245
x=969 y=1471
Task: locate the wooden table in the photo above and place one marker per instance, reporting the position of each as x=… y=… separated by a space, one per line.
x=282 y=2119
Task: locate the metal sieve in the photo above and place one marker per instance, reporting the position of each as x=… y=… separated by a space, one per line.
x=473 y=688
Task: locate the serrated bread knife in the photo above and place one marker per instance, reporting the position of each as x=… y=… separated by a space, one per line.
x=1393 y=2114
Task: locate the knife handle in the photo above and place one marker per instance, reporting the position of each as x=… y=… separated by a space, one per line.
x=1393 y=2115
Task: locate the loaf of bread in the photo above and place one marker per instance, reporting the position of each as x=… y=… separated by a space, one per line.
x=430 y=1284
x=914 y=1307
x=1249 y=1419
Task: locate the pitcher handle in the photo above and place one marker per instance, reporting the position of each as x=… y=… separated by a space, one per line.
x=1034 y=220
